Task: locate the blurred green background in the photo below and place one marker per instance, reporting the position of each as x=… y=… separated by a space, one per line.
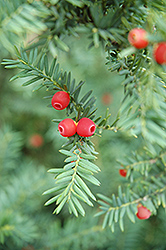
x=29 y=146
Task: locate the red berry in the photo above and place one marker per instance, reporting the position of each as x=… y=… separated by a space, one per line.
x=67 y=127
x=36 y=140
x=123 y=172
x=137 y=38
x=159 y=53
x=106 y=98
x=143 y=213
x=86 y=127
x=60 y=100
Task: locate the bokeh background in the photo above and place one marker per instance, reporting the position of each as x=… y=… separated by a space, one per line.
x=29 y=146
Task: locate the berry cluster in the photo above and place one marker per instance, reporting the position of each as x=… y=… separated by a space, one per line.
x=68 y=127
x=85 y=127
x=138 y=38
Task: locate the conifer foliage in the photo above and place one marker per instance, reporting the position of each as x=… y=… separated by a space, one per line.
x=142 y=113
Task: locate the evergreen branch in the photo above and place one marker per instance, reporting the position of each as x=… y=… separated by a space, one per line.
x=141 y=116
x=103 y=123
x=35 y=66
x=70 y=184
x=125 y=203
x=143 y=107
x=137 y=162
x=150 y=161
x=142 y=110
x=18 y=15
x=34 y=69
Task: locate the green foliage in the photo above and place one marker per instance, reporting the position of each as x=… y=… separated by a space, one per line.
x=143 y=107
x=15 y=16
x=141 y=113
x=70 y=182
x=54 y=79
x=18 y=194
x=10 y=149
x=147 y=186
x=36 y=67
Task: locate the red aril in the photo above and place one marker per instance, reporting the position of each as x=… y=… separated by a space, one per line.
x=123 y=172
x=159 y=53
x=143 y=213
x=138 y=38
x=67 y=127
x=60 y=100
x=86 y=127
x=36 y=140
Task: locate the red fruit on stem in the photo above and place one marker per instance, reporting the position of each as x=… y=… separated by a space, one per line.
x=137 y=38
x=123 y=172
x=60 y=100
x=143 y=213
x=36 y=140
x=86 y=127
x=159 y=53
x=67 y=127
